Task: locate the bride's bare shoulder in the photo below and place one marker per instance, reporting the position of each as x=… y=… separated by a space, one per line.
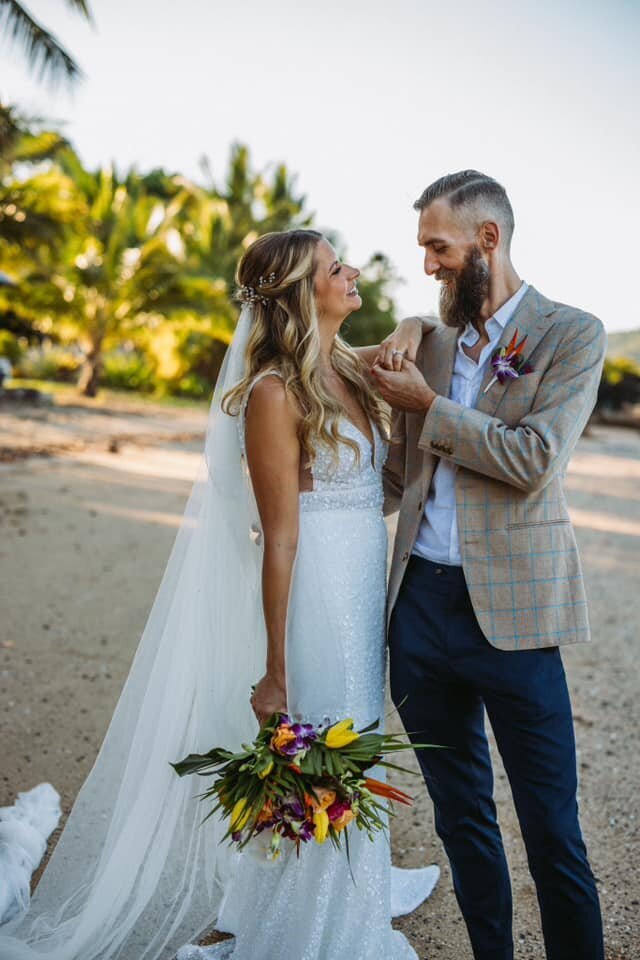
x=269 y=404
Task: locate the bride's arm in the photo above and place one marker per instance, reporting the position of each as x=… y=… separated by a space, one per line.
x=367 y=354
x=405 y=338
x=273 y=456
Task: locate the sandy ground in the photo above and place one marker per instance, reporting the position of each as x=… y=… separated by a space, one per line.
x=84 y=536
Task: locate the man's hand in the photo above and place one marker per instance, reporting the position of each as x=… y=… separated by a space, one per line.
x=404 y=389
x=403 y=342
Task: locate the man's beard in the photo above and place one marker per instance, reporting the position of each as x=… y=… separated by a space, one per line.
x=461 y=298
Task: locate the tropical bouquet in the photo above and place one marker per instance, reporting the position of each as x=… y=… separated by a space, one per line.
x=301 y=783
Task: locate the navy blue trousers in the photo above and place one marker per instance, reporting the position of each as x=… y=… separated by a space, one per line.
x=444 y=673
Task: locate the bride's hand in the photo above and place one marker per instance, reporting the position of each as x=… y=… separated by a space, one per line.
x=269 y=696
x=403 y=342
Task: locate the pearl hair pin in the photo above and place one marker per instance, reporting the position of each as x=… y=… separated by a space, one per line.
x=248 y=294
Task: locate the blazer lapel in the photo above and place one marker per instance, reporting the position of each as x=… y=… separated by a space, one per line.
x=531 y=319
x=436 y=363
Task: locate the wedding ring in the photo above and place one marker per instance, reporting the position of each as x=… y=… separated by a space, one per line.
x=400 y=352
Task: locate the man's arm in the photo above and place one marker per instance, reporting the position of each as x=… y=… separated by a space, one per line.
x=529 y=455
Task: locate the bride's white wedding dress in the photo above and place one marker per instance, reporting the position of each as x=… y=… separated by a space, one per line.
x=312 y=908
x=135 y=874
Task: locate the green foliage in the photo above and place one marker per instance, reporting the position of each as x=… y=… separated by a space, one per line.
x=10 y=346
x=191 y=385
x=620 y=384
x=617 y=368
x=45 y=55
x=51 y=363
x=133 y=273
x=128 y=371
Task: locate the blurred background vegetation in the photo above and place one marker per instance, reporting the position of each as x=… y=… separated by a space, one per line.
x=125 y=279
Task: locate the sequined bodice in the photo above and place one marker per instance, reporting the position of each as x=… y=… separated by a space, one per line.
x=347 y=483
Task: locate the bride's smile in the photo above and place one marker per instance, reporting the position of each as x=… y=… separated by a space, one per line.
x=335 y=288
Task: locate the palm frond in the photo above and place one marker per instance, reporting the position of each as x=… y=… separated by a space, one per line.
x=32 y=148
x=44 y=52
x=82 y=7
x=10 y=129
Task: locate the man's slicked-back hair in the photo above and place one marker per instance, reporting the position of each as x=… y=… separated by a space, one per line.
x=475 y=196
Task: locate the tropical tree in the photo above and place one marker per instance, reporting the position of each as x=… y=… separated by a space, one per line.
x=139 y=269
x=45 y=54
x=35 y=210
x=118 y=263
x=217 y=222
x=221 y=220
x=25 y=141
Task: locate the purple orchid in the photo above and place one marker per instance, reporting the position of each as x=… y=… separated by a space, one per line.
x=305 y=735
x=290 y=738
x=307 y=831
x=295 y=809
x=508 y=362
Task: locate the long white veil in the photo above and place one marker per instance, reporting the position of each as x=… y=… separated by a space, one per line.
x=134 y=874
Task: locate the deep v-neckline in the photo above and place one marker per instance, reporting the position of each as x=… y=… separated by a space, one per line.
x=371 y=443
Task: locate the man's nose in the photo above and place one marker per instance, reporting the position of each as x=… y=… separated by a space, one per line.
x=431 y=265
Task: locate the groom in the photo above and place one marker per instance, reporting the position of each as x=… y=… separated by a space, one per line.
x=486 y=581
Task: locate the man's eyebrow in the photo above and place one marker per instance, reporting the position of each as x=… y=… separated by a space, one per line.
x=430 y=243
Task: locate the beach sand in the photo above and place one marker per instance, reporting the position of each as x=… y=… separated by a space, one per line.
x=84 y=537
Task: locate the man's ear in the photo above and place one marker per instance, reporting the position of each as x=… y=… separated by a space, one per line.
x=489 y=235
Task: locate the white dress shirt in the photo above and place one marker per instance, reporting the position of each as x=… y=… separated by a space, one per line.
x=438 y=534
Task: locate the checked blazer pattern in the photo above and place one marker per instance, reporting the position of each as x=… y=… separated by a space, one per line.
x=518 y=547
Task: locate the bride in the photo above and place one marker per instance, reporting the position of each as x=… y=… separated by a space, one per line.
x=276 y=582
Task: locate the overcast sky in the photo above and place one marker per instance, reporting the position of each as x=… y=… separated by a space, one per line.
x=368 y=102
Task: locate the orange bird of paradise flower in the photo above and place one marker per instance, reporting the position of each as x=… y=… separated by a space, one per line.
x=382 y=789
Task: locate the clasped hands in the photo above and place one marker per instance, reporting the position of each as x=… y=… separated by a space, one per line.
x=394 y=370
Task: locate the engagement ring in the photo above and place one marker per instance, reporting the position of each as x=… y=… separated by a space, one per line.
x=400 y=352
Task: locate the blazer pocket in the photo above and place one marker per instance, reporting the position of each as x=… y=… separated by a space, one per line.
x=536 y=523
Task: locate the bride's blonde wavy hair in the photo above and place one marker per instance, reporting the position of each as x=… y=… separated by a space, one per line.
x=277 y=273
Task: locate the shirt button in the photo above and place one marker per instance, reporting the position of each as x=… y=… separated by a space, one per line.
x=439 y=570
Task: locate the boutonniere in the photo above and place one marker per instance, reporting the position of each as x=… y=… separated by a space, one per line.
x=508 y=362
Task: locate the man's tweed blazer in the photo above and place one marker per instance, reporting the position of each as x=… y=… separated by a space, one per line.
x=518 y=548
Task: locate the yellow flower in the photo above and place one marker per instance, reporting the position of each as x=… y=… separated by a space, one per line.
x=341 y=734
x=321 y=820
x=266 y=770
x=239 y=815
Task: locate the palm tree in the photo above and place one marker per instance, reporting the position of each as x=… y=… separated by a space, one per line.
x=44 y=52
x=219 y=221
x=121 y=267
x=25 y=140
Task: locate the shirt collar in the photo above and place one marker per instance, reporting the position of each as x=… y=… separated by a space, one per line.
x=496 y=323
